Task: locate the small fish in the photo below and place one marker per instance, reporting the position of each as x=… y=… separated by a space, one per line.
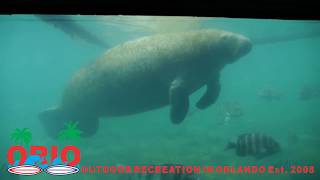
x=230 y=111
x=270 y=94
x=309 y=92
x=258 y=145
x=233 y=109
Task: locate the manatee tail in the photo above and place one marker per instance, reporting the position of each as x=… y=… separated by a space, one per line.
x=54 y=121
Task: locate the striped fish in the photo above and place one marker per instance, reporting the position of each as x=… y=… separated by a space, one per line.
x=258 y=145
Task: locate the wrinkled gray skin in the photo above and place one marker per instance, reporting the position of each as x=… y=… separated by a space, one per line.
x=146 y=74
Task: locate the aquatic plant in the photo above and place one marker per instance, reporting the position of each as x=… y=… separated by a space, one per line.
x=70 y=132
x=21 y=136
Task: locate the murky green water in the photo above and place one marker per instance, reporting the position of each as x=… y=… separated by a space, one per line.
x=270 y=87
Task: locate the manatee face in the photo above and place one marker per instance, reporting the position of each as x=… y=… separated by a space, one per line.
x=233 y=46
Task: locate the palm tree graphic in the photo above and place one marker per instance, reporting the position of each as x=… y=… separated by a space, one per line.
x=21 y=136
x=70 y=132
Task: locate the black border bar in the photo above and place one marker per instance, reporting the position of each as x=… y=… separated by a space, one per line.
x=271 y=9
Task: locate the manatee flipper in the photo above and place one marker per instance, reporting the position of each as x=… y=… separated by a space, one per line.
x=54 y=121
x=88 y=125
x=179 y=101
x=211 y=94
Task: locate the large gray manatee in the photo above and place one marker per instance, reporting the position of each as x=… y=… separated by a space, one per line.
x=145 y=74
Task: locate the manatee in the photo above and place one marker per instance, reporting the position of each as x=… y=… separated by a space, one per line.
x=146 y=74
x=70 y=27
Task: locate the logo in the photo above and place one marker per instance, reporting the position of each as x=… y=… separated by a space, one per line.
x=25 y=170
x=36 y=162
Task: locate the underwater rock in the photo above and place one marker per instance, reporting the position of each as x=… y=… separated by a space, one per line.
x=146 y=74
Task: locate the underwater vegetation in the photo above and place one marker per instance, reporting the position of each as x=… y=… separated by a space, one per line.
x=21 y=136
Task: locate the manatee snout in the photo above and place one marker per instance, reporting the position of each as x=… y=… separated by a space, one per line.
x=245 y=46
x=233 y=46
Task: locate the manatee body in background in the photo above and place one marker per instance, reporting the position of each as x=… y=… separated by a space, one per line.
x=70 y=26
x=145 y=74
